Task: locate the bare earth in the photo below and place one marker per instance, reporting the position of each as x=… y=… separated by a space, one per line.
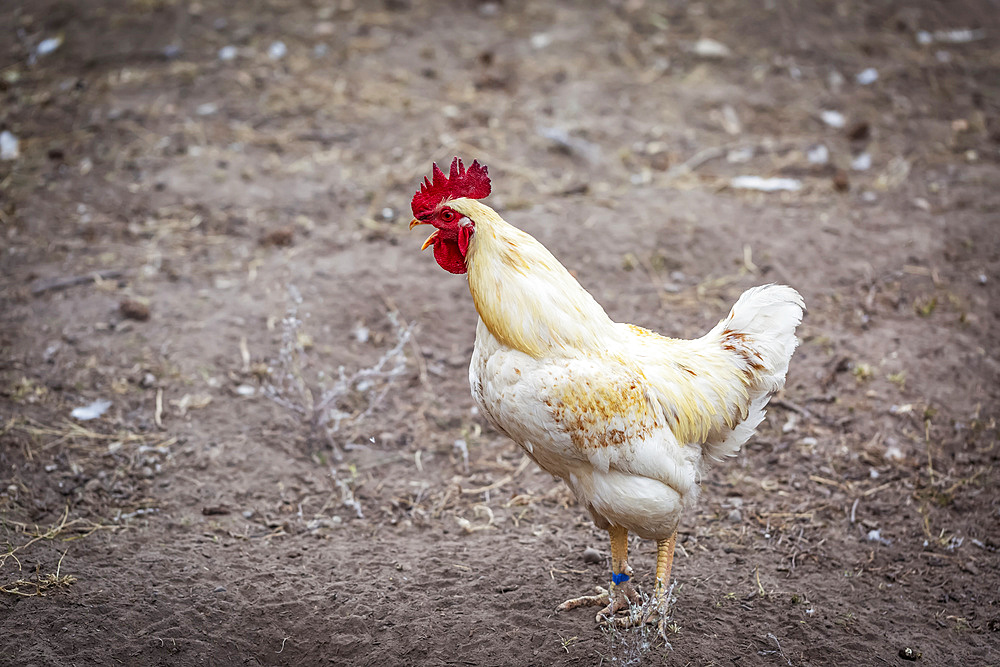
x=208 y=517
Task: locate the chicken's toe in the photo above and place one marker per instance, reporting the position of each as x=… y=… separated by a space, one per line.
x=623 y=596
x=601 y=598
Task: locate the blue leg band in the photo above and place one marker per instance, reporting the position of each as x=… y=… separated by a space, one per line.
x=618 y=579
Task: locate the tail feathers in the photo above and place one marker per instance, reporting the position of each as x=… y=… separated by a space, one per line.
x=762 y=323
x=760 y=331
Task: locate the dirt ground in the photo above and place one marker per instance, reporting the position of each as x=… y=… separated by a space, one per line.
x=205 y=224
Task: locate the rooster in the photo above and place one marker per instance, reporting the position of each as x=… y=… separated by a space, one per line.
x=626 y=417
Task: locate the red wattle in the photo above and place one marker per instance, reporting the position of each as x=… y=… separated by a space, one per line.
x=449 y=256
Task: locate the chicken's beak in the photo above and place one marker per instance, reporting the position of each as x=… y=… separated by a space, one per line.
x=430 y=239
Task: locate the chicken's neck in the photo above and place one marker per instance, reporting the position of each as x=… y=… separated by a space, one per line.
x=526 y=298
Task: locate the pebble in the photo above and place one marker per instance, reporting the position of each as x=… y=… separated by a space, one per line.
x=540 y=40
x=860 y=131
x=592 y=555
x=277 y=51
x=833 y=118
x=862 y=162
x=47 y=46
x=134 y=310
x=735 y=516
x=818 y=154
x=279 y=237
x=841 y=183
x=9 y=146
x=710 y=48
x=867 y=76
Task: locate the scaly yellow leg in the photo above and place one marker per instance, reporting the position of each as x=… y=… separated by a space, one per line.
x=661 y=594
x=664 y=561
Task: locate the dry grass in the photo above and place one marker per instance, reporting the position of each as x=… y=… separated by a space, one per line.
x=63 y=530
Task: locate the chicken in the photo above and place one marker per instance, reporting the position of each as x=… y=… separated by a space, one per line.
x=626 y=417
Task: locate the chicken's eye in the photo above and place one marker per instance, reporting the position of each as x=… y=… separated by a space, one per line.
x=448 y=215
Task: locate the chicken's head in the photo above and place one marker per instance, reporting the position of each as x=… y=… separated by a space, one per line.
x=453 y=230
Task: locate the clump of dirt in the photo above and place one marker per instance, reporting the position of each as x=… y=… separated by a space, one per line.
x=190 y=476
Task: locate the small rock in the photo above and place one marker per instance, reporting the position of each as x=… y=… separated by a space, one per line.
x=734 y=516
x=593 y=556
x=841 y=183
x=908 y=653
x=246 y=390
x=710 y=48
x=277 y=51
x=832 y=118
x=134 y=310
x=9 y=146
x=863 y=162
x=860 y=131
x=818 y=154
x=227 y=53
x=219 y=589
x=541 y=40
x=47 y=46
x=867 y=76
x=206 y=109
x=148 y=380
x=282 y=236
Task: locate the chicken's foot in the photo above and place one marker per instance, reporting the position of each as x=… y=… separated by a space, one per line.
x=622 y=593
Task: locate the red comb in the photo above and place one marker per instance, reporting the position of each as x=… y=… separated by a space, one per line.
x=473 y=183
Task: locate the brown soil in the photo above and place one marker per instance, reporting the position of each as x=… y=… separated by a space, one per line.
x=198 y=521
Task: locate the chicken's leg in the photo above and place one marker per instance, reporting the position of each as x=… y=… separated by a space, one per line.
x=664 y=561
x=661 y=594
x=622 y=591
